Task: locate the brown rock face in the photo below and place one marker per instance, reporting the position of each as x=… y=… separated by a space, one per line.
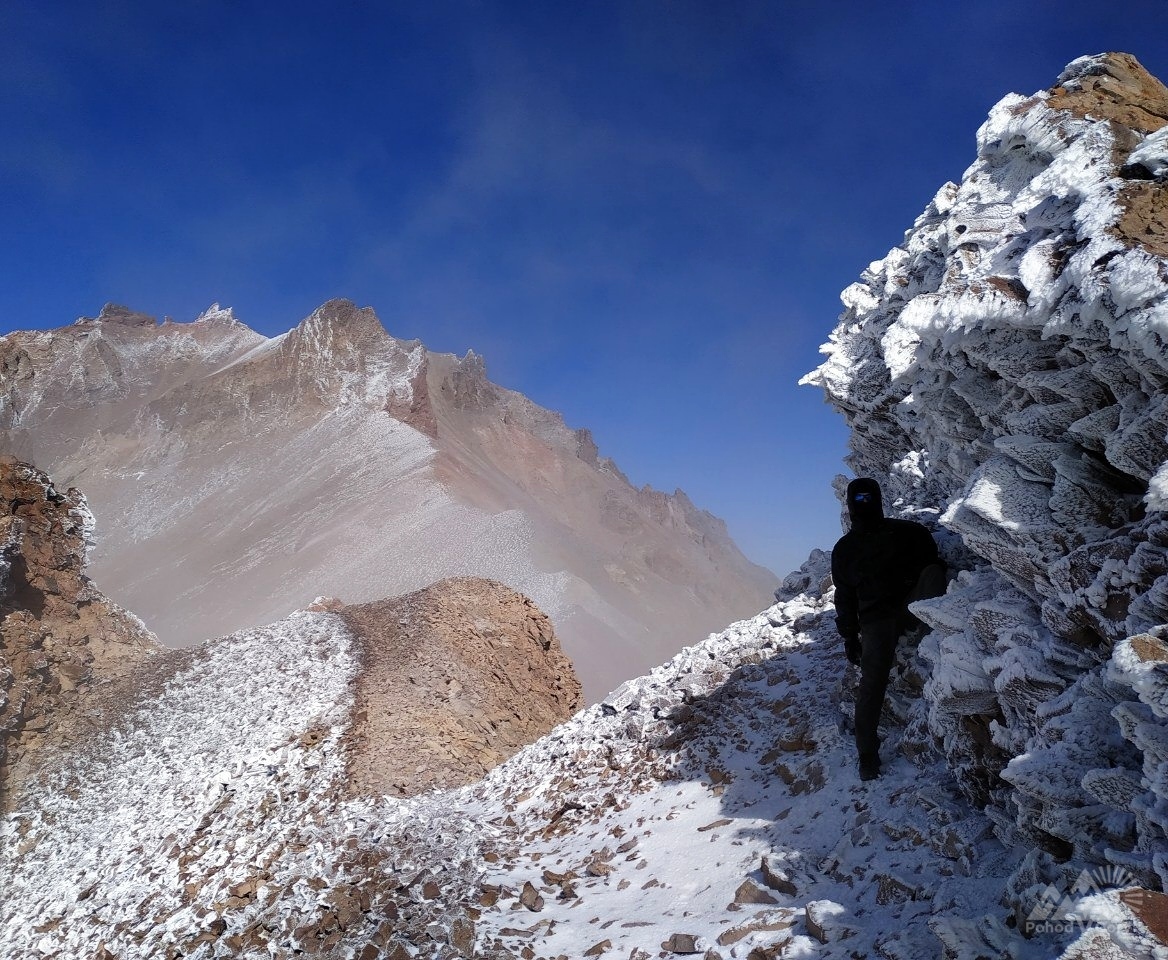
x=59 y=637
x=1118 y=88
x=456 y=678
x=116 y=313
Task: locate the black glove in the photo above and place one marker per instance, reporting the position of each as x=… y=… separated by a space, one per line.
x=852 y=649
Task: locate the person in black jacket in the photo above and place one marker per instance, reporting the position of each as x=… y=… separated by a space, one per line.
x=879 y=566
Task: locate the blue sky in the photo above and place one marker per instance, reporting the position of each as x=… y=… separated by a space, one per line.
x=640 y=213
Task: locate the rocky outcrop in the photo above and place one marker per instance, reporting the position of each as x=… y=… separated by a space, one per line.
x=61 y=640
x=454 y=679
x=1003 y=371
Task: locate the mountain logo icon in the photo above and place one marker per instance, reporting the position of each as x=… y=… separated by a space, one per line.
x=1055 y=909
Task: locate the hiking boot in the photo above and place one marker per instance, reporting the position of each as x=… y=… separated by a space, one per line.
x=869 y=766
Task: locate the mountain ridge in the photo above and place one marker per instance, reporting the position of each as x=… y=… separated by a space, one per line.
x=188 y=436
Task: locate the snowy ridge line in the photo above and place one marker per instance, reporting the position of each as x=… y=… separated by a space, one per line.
x=260 y=350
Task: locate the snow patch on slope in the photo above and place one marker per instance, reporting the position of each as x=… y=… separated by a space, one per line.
x=170 y=794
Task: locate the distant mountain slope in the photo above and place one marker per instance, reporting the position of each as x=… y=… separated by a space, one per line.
x=236 y=477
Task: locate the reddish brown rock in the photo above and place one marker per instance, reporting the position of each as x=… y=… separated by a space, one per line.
x=1119 y=90
x=455 y=679
x=59 y=636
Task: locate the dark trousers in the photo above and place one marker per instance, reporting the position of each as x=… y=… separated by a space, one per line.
x=878 y=640
x=877 y=655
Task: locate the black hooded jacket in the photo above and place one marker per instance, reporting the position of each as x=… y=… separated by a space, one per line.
x=876 y=564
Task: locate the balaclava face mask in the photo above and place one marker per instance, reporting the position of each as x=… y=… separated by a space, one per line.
x=865 y=505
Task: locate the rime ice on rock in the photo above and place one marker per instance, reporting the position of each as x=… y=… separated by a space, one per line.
x=1015 y=349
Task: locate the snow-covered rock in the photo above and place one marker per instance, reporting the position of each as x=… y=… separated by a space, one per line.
x=1014 y=349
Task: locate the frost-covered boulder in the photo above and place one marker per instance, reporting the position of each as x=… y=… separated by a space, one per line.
x=1003 y=372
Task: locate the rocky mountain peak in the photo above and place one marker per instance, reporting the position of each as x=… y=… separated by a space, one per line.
x=335 y=450
x=466 y=383
x=124 y=316
x=342 y=355
x=339 y=328
x=217 y=316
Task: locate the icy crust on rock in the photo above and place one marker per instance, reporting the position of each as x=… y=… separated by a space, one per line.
x=1004 y=373
x=1152 y=154
x=194 y=792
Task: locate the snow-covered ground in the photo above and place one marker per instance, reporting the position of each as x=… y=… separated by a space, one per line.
x=213 y=821
x=196 y=785
x=662 y=814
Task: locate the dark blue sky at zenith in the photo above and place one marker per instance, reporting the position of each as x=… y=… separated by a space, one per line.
x=641 y=214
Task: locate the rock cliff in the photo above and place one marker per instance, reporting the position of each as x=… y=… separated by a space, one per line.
x=1003 y=372
x=63 y=645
